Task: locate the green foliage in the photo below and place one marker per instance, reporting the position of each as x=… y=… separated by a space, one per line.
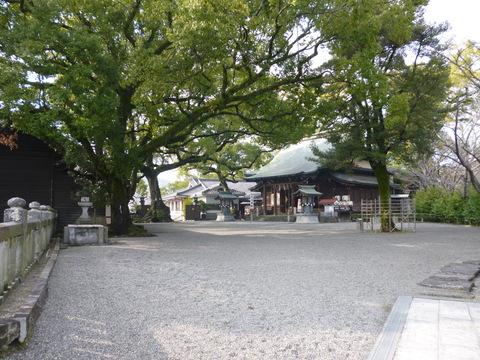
x=203 y=206
x=142 y=188
x=187 y=201
x=175 y=186
x=472 y=209
x=231 y=162
x=438 y=205
x=388 y=82
x=110 y=83
x=93 y=188
x=448 y=208
x=425 y=200
x=388 y=104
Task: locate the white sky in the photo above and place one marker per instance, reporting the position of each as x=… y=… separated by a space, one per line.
x=462 y=15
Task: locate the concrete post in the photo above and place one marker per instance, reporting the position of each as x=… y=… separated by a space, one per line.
x=46 y=233
x=44 y=211
x=16 y=214
x=35 y=215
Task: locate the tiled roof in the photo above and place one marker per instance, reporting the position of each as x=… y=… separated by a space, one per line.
x=294 y=160
x=199 y=187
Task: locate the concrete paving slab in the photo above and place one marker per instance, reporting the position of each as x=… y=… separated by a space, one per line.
x=457 y=353
x=420 y=335
x=451 y=311
x=407 y=353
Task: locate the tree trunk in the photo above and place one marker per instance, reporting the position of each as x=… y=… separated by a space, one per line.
x=121 y=220
x=159 y=212
x=383 y=179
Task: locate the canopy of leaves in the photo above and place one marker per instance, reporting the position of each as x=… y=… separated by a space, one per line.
x=231 y=162
x=108 y=83
x=388 y=82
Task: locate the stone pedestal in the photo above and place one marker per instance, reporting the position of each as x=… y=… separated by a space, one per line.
x=85 y=234
x=225 y=217
x=308 y=218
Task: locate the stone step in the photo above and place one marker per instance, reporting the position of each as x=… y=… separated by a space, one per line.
x=453 y=277
x=466 y=269
x=473 y=262
x=446 y=293
x=446 y=284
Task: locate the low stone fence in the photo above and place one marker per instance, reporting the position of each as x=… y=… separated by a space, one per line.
x=24 y=236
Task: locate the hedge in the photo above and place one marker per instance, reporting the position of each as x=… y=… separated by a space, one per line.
x=438 y=205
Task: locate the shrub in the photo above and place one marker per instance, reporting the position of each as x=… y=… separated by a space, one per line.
x=435 y=204
x=472 y=209
x=454 y=208
x=428 y=205
x=187 y=201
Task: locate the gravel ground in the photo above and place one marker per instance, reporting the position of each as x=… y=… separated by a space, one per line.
x=242 y=290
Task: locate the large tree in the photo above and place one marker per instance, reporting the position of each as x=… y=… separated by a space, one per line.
x=388 y=83
x=461 y=134
x=108 y=83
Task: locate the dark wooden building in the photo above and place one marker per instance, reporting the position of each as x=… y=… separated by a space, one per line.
x=35 y=172
x=278 y=181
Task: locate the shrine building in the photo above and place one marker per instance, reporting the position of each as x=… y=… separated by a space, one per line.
x=282 y=183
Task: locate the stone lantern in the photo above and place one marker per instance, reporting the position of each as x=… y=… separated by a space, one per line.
x=84 y=231
x=84 y=204
x=308 y=195
x=225 y=198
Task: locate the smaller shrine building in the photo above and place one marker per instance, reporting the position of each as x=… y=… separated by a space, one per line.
x=207 y=191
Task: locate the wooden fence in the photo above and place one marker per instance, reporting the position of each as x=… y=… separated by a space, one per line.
x=400 y=211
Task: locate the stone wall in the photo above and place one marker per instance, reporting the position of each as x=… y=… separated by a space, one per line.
x=24 y=236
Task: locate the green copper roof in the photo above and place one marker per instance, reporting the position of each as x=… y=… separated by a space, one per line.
x=307 y=190
x=291 y=161
x=226 y=195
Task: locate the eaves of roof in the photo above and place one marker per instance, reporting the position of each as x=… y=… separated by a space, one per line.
x=357 y=179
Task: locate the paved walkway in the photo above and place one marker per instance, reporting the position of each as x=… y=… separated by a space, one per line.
x=257 y=291
x=430 y=329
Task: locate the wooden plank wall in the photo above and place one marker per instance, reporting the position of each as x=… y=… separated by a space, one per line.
x=30 y=172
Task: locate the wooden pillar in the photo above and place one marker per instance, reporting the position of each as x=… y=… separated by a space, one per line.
x=275 y=201
x=264 y=200
x=287 y=199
